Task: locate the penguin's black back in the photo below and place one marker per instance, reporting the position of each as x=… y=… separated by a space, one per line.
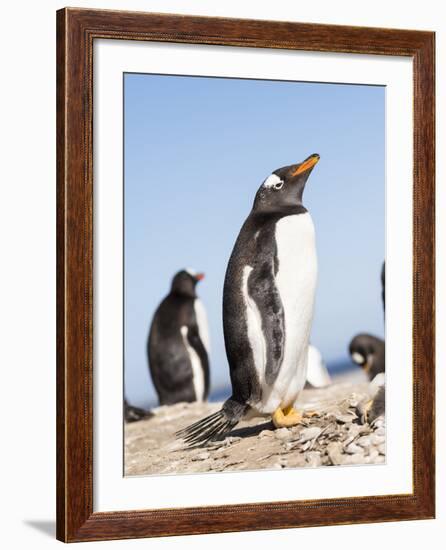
x=256 y=247
x=169 y=360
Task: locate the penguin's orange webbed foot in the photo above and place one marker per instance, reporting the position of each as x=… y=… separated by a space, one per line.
x=286 y=418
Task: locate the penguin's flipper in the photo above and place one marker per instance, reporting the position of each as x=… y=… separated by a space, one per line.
x=264 y=293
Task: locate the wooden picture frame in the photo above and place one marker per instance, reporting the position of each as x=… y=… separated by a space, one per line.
x=76 y=31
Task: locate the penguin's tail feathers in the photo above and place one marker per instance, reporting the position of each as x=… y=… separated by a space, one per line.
x=214 y=426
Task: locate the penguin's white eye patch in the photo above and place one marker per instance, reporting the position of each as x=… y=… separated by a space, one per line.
x=273 y=181
x=358 y=358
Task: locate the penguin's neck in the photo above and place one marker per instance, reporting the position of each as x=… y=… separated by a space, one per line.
x=260 y=216
x=183 y=295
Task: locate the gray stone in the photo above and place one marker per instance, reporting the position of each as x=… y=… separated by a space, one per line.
x=354 y=449
x=313 y=459
x=354 y=459
x=152 y=448
x=266 y=433
x=345 y=418
x=377 y=439
x=373 y=455
x=334 y=451
x=201 y=456
x=283 y=434
x=364 y=441
x=308 y=434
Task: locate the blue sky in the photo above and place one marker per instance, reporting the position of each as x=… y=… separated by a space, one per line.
x=197 y=149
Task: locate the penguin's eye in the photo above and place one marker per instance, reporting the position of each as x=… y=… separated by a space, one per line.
x=278 y=185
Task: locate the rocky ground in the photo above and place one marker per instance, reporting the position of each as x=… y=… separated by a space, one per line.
x=335 y=435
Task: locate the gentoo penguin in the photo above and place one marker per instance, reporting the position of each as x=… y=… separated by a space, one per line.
x=369 y=352
x=178 y=343
x=133 y=414
x=317 y=373
x=268 y=301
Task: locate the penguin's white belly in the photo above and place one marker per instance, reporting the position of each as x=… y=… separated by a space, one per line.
x=202 y=322
x=296 y=283
x=197 y=368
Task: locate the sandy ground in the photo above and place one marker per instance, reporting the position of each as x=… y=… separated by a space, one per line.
x=335 y=436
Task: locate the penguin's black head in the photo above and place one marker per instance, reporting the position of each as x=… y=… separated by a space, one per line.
x=367 y=351
x=184 y=283
x=282 y=191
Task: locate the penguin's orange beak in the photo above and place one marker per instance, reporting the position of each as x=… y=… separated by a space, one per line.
x=199 y=276
x=306 y=164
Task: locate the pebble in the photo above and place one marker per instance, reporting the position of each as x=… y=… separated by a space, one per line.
x=355 y=429
x=364 y=441
x=282 y=434
x=313 y=459
x=266 y=433
x=345 y=418
x=201 y=456
x=308 y=434
x=334 y=451
x=377 y=439
x=354 y=459
x=354 y=449
x=222 y=452
x=330 y=430
x=373 y=455
x=353 y=400
x=335 y=437
x=353 y=432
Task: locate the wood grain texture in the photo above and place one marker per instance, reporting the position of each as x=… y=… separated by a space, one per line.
x=76 y=31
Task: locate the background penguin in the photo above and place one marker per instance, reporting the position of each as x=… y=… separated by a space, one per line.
x=317 y=372
x=178 y=343
x=133 y=414
x=268 y=302
x=373 y=406
x=369 y=352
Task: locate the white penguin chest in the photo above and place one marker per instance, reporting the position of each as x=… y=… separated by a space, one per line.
x=195 y=363
x=296 y=254
x=296 y=283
